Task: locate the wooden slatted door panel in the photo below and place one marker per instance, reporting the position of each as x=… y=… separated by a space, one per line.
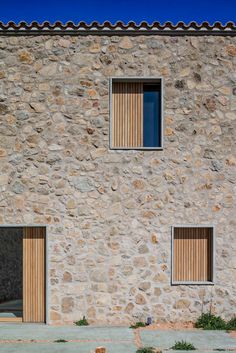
x=34 y=274
x=192 y=254
x=127 y=114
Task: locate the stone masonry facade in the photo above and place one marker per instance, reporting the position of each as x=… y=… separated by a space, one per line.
x=109 y=213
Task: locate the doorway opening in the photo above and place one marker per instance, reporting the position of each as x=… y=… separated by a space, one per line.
x=22 y=274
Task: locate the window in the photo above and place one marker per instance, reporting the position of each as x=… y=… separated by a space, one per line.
x=136 y=113
x=192 y=255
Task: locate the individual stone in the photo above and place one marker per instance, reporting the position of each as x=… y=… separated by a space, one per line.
x=3 y=152
x=90 y=131
x=143 y=249
x=83 y=184
x=210 y=104
x=169 y=131
x=216 y=165
x=194 y=42
x=22 y=115
x=26 y=57
x=182 y=304
x=98 y=122
x=55 y=316
x=138 y=184
x=231 y=161
x=129 y=308
x=148 y=214
x=18 y=187
x=197 y=77
x=116 y=209
x=209 y=154
x=3 y=108
x=154 y=238
x=98 y=152
x=216 y=208
x=231 y=50
x=4 y=179
x=95 y=48
x=180 y=84
x=160 y=277
x=38 y=107
x=64 y=43
x=67 y=305
x=185 y=72
x=125 y=43
x=67 y=277
x=99 y=276
x=114 y=185
x=71 y=204
x=140 y=262
x=144 y=286
x=55 y=147
x=157 y=292
x=48 y=70
x=140 y=300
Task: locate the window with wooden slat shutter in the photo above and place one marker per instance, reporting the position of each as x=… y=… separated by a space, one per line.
x=192 y=255
x=136 y=114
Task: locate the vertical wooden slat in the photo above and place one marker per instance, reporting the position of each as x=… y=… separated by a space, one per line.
x=34 y=274
x=192 y=260
x=127 y=114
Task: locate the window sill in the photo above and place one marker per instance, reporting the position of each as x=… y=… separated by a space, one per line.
x=207 y=283
x=137 y=148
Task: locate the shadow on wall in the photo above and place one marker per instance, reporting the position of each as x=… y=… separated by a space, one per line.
x=11 y=264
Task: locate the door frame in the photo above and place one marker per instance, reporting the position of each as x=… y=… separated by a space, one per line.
x=47 y=284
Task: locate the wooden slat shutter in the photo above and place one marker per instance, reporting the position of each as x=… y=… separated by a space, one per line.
x=192 y=254
x=34 y=274
x=127 y=114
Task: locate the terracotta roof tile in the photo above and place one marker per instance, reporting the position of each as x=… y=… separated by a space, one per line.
x=119 y=28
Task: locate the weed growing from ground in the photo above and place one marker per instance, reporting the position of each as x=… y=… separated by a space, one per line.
x=146 y=350
x=138 y=324
x=209 y=321
x=183 y=346
x=82 y=322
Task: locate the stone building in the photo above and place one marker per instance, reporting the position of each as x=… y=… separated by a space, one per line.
x=117 y=143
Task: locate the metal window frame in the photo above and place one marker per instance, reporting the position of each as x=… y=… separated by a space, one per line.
x=212 y=282
x=147 y=79
x=47 y=285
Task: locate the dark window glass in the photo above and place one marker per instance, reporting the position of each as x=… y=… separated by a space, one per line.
x=151 y=115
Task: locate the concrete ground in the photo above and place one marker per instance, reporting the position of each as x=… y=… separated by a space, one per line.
x=34 y=338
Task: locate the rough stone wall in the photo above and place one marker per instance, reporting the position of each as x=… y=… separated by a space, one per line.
x=11 y=263
x=110 y=212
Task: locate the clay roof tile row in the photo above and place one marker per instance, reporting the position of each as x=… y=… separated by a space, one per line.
x=119 y=27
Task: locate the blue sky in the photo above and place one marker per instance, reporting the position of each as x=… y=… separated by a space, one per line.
x=113 y=10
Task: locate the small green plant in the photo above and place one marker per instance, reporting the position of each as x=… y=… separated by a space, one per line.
x=146 y=350
x=209 y=321
x=60 y=340
x=138 y=324
x=183 y=346
x=231 y=324
x=82 y=322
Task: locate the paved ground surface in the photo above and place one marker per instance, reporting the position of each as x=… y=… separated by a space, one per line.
x=202 y=340
x=27 y=338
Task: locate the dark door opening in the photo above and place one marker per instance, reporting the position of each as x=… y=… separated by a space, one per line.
x=11 y=273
